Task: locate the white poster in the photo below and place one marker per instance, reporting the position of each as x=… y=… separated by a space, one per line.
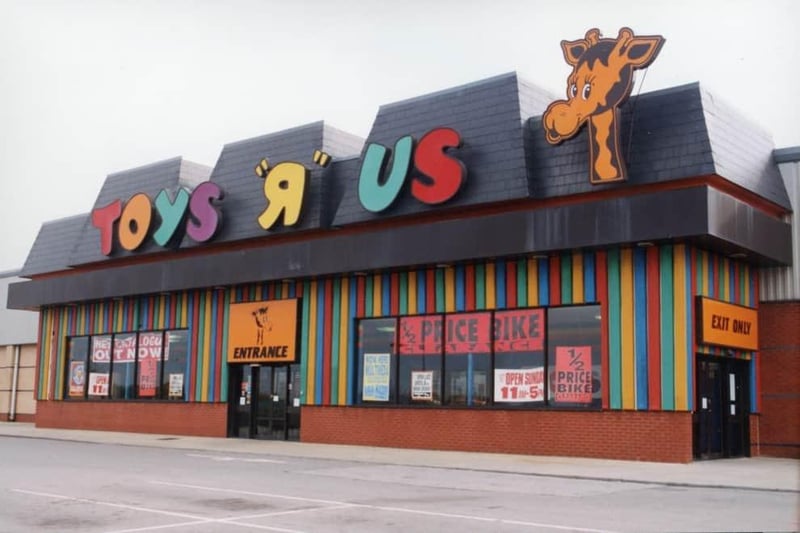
x=519 y=385
x=422 y=385
x=176 y=385
x=376 y=377
x=98 y=384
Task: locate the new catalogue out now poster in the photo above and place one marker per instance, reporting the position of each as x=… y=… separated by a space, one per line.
x=376 y=377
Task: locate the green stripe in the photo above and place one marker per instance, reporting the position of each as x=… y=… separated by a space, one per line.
x=223 y=394
x=522 y=283
x=368 y=296
x=335 y=323
x=304 y=342
x=480 y=286
x=440 y=290
x=201 y=326
x=403 y=288
x=667 y=329
x=614 y=330
x=566 y=279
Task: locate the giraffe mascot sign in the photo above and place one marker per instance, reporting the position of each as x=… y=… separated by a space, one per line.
x=601 y=80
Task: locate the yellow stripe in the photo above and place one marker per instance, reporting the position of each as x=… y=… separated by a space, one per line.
x=491 y=300
x=627 y=333
x=377 y=292
x=679 y=274
x=184 y=309
x=344 y=319
x=533 y=283
x=207 y=347
x=746 y=297
x=577 y=278
x=449 y=289
x=412 y=293
x=312 y=343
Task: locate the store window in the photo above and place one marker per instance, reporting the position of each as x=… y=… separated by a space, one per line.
x=515 y=358
x=420 y=360
x=573 y=369
x=128 y=366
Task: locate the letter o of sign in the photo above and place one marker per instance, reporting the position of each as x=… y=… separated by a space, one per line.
x=135 y=222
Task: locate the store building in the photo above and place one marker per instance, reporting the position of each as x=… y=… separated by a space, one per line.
x=456 y=281
x=18 y=337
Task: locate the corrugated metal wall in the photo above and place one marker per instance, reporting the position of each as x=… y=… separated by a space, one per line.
x=782 y=284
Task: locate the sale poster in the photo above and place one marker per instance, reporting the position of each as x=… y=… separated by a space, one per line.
x=376 y=377
x=98 y=384
x=519 y=385
x=176 y=385
x=468 y=333
x=148 y=377
x=101 y=349
x=422 y=385
x=519 y=330
x=420 y=335
x=150 y=345
x=77 y=378
x=572 y=382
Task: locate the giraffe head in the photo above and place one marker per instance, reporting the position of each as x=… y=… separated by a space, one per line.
x=601 y=79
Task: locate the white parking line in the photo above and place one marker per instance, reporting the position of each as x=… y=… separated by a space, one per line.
x=238 y=459
x=385 y=508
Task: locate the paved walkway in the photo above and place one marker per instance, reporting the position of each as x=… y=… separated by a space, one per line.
x=761 y=473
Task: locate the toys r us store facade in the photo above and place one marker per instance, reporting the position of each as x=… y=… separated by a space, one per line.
x=480 y=273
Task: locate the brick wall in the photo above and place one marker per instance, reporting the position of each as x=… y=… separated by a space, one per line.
x=779 y=339
x=197 y=419
x=631 y=435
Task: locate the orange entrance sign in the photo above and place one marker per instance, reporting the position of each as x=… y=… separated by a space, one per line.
x=263 y=332
x=725 y=324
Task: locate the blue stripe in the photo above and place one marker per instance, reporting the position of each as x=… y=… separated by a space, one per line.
x=500 y=284
x=640 y=325
x=544 y=282
x=460 y=288
x=589 y=281
x=292 y=290
x=420 y=291
x=386 y=302
x=351 y=352
x=321 y=318
x=189 y=355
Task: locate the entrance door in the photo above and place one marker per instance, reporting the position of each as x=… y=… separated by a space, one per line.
x=721 y=423
x=264 y=402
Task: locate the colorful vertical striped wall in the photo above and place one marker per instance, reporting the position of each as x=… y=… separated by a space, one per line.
x=647 y=298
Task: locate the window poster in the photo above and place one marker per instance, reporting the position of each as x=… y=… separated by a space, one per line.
x=376 y=377
x=148 y=377
x=176 y=385
x=150 y=345
x=573 y=377
x=519 y=385
x=77 y=378
x=422 y=385
x=101 y=349
x=125 y=348
x=420 y=335
x=98 y=384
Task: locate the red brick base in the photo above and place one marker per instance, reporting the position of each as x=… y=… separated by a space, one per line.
x=630 y=435
x=197 y=419
x=779 y=343
x=19 y=417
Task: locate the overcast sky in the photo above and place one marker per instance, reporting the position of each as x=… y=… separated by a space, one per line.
x=88 y=88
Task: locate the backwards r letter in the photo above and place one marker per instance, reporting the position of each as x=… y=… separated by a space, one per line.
x=601 y=80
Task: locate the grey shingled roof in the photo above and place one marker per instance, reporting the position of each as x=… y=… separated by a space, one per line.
x=149 y=179
x=488 y=114
x=244 y=190
x=667 y=135
x=53 y=244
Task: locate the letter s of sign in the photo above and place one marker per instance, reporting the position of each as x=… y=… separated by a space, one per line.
x=445 y=174
x=204 y=218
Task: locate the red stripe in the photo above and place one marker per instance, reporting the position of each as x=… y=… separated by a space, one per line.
x=39 y=342
x=469 y=281
x=298 y=289
x=511 y=283
x=219 y=355
x=430 y=291
x=151 y=313
x=715 y=277
x=326 y=353
x=602 y=296
x=395 y=293
x=754 y=273
x=737 y=294
x=555 y=280
x=54 y=354
x=653 y=329
x=361 y=287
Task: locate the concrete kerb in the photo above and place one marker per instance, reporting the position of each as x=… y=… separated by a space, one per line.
x=760 y=474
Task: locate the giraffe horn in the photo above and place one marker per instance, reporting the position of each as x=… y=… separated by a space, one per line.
x=592 y=36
